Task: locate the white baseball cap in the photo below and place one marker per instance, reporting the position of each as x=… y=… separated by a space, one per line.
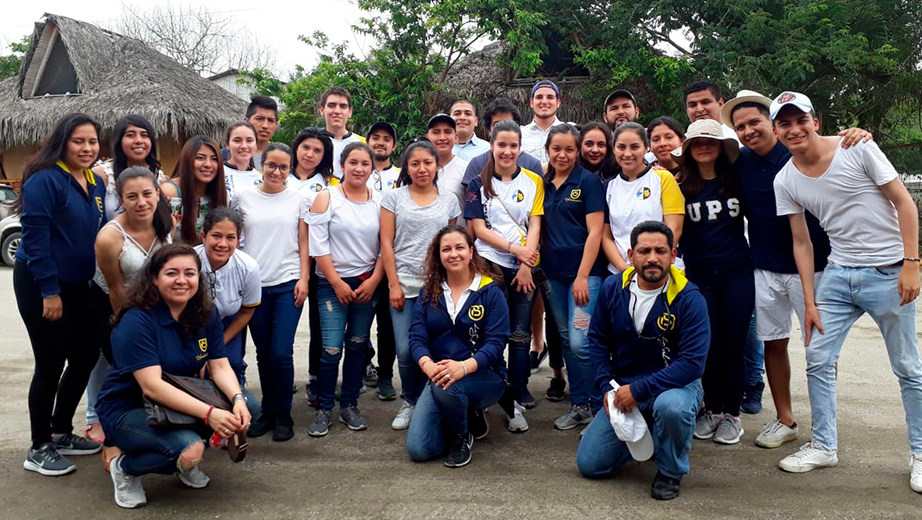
x=743 y=96
x=631 y=428
x=784 y=99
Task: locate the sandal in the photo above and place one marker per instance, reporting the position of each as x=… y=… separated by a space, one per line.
x=95 y=426
x=237 y=446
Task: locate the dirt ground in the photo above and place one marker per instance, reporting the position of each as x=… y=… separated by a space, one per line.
x=533 y=475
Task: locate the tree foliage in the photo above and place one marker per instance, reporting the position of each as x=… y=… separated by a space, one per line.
x=9 y=63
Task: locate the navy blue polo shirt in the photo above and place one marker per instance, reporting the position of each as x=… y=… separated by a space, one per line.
x=770 y=235
x=563 y=230
x=150 y=338
x=713 y=236
x=59 y=225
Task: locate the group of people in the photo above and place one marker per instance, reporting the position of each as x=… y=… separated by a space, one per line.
x=626 y=246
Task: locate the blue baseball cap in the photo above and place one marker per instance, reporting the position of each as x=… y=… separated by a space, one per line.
x=544 y=83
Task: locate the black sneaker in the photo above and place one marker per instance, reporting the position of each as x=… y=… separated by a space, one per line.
x=70 y=444
x=557 y=390
x=263 y=424
x=752 y=400
x=528 y=401
x=536 y=358
x=284 y=428
x=477 y=423
x=371 y=376
x=48 y=461
x=460 y=452
x=664 y=488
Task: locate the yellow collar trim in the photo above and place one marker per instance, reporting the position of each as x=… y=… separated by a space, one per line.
x=679 y=281
x=484 y=281
x=88 y=173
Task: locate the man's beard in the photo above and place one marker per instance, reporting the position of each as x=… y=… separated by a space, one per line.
x=653 y=277
x=382 y=158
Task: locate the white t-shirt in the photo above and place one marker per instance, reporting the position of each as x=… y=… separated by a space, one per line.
x=338 y=146
x=270 y=230
x=312 y=186
x=861 y=222
x=236 y=285
x=450 y=176
x=349 y=232
x=383 y=181
x=648 y=197
x=239 y=180
x=534 y=138
x=643 y=302
x=413 y=231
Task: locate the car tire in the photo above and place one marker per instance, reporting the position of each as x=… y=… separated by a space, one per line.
x=9 y=247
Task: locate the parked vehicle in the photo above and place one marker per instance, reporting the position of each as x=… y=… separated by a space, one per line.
x=10 y=233
x=7 y=197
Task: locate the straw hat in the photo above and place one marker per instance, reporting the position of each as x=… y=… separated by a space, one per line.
x=744 y=96
x=707 y=129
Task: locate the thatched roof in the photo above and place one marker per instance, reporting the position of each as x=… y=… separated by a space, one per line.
x=115 y=75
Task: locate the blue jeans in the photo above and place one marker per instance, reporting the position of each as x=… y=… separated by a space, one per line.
x=754 y=356
x=671 y=418
x=273 y=328
x=573 y=325
x=425 y=437
x=97 y=376
x=147 y=449
x=235 y=350
x=340 y=325
x=412 y=379
x=520 y=305
x=844 y=295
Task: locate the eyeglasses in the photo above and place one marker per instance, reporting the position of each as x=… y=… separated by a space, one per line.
x=212 y=280
x=271 y=166
x=379 y=185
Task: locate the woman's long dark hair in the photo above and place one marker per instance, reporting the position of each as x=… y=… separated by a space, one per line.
x=163 y=217
x=216 y=190
x=404 y=179
x=144 y=295
x=489 y=169
x=691 y=183
x=54 y=148
x=565 y=128
x=119 y=158
x=325 y=168
x=434 y=273
x=609 y=167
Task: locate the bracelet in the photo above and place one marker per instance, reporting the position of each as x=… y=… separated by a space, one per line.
x=208 y=413
x=907 y=259
x=508 y=247
x=464 y=367
x=238 y=397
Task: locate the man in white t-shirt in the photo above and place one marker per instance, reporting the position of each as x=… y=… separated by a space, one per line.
x=263 y=114
x=442 y=132
x=703 y=100
x=873 y=229
x=382 y=139
x=465 y=116
x=544 y=102
x=336 y=110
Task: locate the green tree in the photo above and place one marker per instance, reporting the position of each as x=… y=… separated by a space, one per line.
x=9 y=64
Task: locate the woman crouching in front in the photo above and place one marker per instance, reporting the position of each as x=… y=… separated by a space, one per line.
x=458 y=334
x=167 y=325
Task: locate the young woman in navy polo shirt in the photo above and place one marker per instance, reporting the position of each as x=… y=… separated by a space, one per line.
x=574 y=215
x=61 y=210
x=167 y=325
x=718 y=261
x=457 y=338
x=200 y=176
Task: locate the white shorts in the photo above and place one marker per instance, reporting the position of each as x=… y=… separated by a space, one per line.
x=777 y=296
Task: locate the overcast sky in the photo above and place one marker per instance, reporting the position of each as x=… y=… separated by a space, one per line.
x=278 y=24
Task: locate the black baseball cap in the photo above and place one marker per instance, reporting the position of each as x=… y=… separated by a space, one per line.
x=441 y=118
x=383 y=125
x=620 y=93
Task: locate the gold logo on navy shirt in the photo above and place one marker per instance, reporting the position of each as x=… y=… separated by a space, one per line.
x=644 y=193
x=475 y=312
x=574 y=195
x=99 y=204
x=518 y=196
x=666 y=321
x=203 y=344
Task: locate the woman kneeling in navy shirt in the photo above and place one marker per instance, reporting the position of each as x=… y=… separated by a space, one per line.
x=166 y=325
x=459 y=331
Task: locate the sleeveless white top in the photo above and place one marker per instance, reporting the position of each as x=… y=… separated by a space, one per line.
x=131 y=259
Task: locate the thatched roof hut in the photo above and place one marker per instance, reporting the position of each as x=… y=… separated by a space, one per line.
x=74 y=66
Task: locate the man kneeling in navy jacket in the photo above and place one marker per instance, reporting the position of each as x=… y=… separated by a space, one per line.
x=650 y=333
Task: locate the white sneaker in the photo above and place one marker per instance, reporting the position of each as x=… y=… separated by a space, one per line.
x=194 y=478
x=402 y=419
x=128 y=490
x=706 y=425
x=774 y=434
x=810 y=456
x=517 y=423
x=915 y=477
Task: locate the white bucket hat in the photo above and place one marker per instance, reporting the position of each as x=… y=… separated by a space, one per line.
x=743 y=96
x=708 y=129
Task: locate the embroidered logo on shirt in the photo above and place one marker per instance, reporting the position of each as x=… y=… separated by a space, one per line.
x=574 y=195
x=99 y=204
x=475 y=312
x=203 y=344
x=518 y=196
x=666 y=321
x=316 y=188
x=644 y=193
x=474 y=333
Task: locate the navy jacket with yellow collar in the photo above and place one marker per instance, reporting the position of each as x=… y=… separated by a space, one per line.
x=677 y=326
x=480 y=330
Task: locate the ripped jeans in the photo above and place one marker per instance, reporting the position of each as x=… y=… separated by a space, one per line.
x=342 y=326
x=573 y=324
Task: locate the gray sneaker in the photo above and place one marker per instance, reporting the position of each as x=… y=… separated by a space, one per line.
x=729 y=431
x=194 y=478
x=321 y=424
x=707 y=424
x=352 y=418
x=517 y=423
x=70 y=444
x=48 y=461
x=128 y=490
x=575 y=416
x=371 y=375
